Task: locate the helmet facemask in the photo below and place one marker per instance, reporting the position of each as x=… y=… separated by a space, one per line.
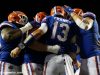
x=23 y=19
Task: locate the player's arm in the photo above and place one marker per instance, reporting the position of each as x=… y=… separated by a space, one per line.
x=75 y=51
x=37 y=46
x=83 y=22
x=74 y=47
x=9 y=34
x=35 y=35
x=73 y=42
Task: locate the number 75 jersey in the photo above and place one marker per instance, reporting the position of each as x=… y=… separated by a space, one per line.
x=60 y=31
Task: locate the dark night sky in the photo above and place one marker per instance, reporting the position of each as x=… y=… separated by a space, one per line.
x=31 y=7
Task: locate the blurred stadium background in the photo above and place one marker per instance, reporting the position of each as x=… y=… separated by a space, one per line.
x=31 y=7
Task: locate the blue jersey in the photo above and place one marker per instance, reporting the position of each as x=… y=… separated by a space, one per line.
x=88 y=41
x=60 y=31
x=31 y=56
x=6 y=47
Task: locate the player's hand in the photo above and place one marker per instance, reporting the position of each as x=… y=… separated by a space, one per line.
x=15 y=52
x=77 y=64
x=68 y=9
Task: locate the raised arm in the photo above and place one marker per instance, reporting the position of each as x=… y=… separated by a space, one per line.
x=83 y=20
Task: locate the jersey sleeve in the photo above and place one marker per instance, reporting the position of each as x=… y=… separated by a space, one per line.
x=89 y=14
x=35 y=24
x=44 y=24
x=45 y=20
x=43 y=27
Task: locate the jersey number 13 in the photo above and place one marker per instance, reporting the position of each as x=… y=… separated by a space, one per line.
x=64 y=31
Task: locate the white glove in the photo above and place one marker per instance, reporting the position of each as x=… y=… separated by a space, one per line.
x=53 y=49
x=27 y=27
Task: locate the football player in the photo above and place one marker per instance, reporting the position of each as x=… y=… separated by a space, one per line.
x=9 y=40
x=88 y=41
x=34 y=60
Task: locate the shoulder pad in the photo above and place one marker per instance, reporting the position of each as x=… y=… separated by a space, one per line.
x=6 y=23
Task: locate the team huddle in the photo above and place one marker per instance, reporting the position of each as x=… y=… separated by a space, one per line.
x=66 y=42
